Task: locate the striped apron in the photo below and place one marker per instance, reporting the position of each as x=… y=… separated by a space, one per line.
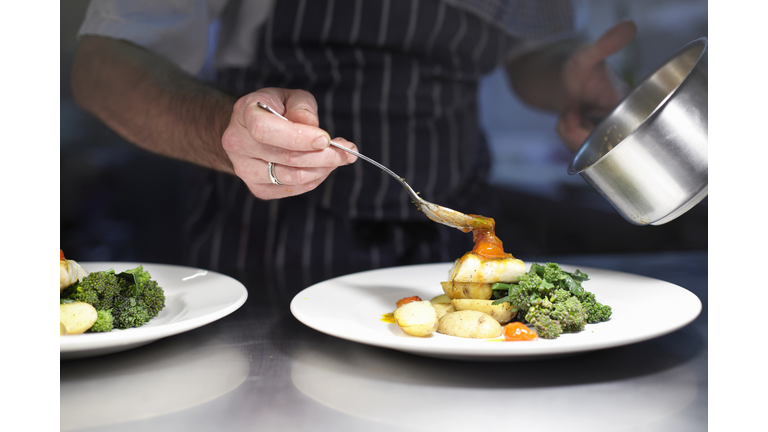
x=397 y=78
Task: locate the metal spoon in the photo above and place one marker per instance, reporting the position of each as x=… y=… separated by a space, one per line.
x=437 y=213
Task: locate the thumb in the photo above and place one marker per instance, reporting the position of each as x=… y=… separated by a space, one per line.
x=301 y=107
x=571 y=129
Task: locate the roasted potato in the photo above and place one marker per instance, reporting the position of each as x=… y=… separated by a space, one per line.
x=442 y=305
x=469 y=324
x=76 y=317
x=472 y=275
x=443 y=308
x=418 y=318
x=503 y=313
x=442 y=298
x=467 y=290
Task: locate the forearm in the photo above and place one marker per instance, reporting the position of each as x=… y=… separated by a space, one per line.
x=152 y=103
x=537 y=77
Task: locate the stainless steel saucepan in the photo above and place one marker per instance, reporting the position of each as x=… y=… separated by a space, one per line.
x=648 y=158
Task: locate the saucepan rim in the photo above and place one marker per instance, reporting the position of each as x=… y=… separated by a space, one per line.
x=649 y=119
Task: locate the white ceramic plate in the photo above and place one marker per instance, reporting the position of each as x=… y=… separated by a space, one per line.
x=193 y=298
x=351 y=307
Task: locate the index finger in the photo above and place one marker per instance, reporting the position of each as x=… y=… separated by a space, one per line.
x=267 y=128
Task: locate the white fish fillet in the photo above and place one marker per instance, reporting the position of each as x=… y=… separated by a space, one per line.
x=69 y=273
x=474 y=268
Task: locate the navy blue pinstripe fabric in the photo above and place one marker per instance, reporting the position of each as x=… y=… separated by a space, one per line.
x=398 y=78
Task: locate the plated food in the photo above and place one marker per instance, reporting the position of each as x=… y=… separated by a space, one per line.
x=490 y=293
x=105 y=300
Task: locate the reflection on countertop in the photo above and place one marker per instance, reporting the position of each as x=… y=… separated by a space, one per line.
x=400 y=389
x=164 y=377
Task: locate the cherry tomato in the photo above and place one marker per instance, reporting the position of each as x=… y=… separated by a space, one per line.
x=405 y=300
x=518 y=331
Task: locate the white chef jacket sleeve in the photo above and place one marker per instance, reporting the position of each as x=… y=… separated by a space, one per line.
x=176 y=30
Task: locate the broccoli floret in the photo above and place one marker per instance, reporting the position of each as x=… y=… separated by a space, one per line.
x=553 y=273
x=130 y=312
x=103 y=321
x=125 y=300
x=140 y=286
x=532 y=283
x=560 y=295
x=99 y=289
x=553 y=300
x=517 y=297
x=134 y=279
x=539 y=315
x=152 y=296
x=570 y=315
x=596 y=311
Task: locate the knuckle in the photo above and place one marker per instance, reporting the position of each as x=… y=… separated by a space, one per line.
x=229 y=140
x=244 y=172
x=259 y=129
x=292 y=158
x=294 y=176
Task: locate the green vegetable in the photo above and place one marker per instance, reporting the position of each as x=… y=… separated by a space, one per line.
x=103 y=321
x=99 y=289
x=569 y=314
x=552 y=300
x=136 y=278
x=540 y=316
x=130 y=312
x=124 y=300
x=596 y=312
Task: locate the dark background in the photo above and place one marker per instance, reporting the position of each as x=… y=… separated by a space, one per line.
x=120 y=203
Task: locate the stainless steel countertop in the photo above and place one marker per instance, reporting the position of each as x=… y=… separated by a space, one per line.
x=259 y=369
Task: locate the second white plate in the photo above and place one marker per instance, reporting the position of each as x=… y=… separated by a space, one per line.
x=351 y=307
x=193 y=298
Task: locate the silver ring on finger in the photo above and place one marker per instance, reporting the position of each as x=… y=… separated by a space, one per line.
x=271 y=171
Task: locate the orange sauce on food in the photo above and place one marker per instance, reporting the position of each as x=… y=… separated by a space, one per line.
x=487 y=245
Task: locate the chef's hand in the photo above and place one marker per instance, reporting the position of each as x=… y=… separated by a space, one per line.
x=592 y=88
x=299 y=149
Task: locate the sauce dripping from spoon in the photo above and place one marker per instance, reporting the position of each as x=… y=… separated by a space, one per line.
x=487 y=245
